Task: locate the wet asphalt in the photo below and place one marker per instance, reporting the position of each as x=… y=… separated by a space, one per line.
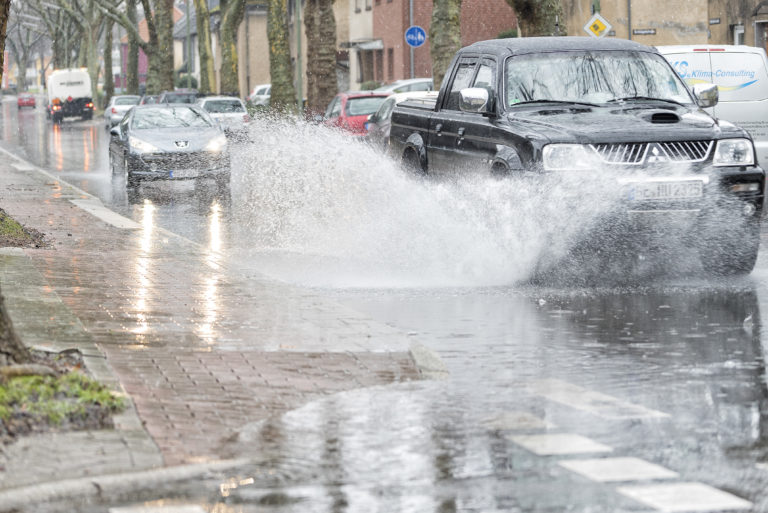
x=649 y=396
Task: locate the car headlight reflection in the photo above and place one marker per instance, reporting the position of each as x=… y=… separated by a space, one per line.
x=562 y=157
x=141 y=146
x=734 y=152
x=217 y=144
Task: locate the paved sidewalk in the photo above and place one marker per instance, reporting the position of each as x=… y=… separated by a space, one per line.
x=200 y=350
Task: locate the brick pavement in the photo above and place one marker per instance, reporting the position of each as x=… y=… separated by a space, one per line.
x=201 y=349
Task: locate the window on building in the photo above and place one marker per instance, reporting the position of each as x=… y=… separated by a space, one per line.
x=390 y=63
x=738 y=34
x=368 y=5
x=379 y=59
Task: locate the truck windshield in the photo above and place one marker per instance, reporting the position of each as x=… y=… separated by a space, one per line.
x=593 y=77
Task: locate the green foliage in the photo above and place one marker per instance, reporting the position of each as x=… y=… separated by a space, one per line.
x=505 y=34
x=369 y=85
x=11 y=228
x=55 y=399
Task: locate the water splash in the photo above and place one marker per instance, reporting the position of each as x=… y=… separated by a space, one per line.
x=315 y=207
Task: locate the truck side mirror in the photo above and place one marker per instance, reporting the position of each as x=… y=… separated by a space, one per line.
x=707 y=95
x=115 y=131
x=474 y=99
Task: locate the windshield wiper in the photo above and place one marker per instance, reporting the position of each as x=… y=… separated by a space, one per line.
x=555 y=101
x=644 y=98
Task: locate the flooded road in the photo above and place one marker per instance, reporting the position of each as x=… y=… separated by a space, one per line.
x=644 y=396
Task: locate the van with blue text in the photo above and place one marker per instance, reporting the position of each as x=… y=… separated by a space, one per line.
x=741 y=74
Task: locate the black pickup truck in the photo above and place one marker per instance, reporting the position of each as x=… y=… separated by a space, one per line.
x=556 y=106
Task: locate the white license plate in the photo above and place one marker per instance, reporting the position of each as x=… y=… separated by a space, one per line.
x=183 y=173
x=652 y=191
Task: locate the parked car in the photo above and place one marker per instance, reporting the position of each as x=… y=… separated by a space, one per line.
x=741 y=75
x=26 y=100
x=229 y=112
x=407 y=85
x=117 y=107
x=379 y=123
x=169 y=142
x=149 y=99
x=623 y=114
x=260 y=95
x=350 y=111
x=179 y=96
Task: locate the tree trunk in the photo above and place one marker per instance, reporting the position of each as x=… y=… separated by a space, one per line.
x=12 y=349
x=160 y=60
x=5 y=11
x=283 y=96
x=444 y=35
x=540 y=17
x=132 y=68
x=233 y=12
x=109 y=76
x=204 y=49
x=320 y=28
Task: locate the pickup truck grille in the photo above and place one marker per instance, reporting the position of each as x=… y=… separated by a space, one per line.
x=640 y=153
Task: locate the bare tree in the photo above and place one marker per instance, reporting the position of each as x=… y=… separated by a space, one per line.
x=280 y=69
x=320 y=28
x=158 y=47
x=444 y=35
x=22 y=37
x=91 y=21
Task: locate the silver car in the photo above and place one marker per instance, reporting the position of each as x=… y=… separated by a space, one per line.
x=118 y=106
x=229 y=112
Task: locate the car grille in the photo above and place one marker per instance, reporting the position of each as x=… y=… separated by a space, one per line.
x=640 y=153
x=189 y=160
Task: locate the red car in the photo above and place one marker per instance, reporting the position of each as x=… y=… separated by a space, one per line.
x=350 y=111
x=25 y=100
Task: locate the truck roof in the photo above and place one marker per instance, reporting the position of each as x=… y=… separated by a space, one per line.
x=523 y=45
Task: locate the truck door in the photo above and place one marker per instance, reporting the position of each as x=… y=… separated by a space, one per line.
x=442 y=137
x=475 y=143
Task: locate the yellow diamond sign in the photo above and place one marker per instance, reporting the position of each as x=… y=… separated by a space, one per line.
x=597 y=26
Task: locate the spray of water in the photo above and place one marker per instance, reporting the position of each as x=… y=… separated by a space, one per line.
x=313 y=206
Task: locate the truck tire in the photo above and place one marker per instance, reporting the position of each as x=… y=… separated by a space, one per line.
x=412 y=163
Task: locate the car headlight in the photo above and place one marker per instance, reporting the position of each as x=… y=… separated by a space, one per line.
x=218 y=143
x=734 y=152
x=141 y=146
x=561 y=157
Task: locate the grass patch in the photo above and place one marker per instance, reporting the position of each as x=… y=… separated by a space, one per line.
x=42 y=403
x=12 y=233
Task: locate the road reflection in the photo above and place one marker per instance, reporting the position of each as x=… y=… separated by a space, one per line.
x=143 y=272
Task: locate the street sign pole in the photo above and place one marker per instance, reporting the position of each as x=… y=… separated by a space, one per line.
x=410 y=24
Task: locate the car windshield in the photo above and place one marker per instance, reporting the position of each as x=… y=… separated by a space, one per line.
x=126 y=101
x=173 y=117
x=364 y=106
x=592 y=77
x=223 y=106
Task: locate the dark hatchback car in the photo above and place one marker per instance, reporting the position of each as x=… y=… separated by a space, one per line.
x=169 y=142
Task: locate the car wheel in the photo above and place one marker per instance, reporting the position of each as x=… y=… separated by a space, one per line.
x=732 y=254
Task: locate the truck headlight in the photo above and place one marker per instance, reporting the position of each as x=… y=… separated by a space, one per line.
x=734 y=152
x=563 y=157
x=217 y=144
x=141 y=146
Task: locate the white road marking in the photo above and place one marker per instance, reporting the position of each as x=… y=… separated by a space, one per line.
x=97 y=209
x=676 y=497
x=517 y=420
x=158 y=509
x=605 y=470
x=596 y=403
x=559 y=444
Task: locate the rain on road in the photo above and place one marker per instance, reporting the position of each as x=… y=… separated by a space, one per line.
x=644 y=397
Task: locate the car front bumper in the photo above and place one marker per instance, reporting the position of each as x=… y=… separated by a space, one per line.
x=178 y=166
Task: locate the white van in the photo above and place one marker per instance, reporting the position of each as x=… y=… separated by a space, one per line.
x=741 y=74
x=69 y=94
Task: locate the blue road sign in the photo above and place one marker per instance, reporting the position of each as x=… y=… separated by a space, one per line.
x=415 y=36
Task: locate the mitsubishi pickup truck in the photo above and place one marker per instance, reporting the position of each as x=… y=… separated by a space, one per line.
x=558 y=106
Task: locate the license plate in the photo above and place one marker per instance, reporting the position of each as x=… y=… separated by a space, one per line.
x=183 y=173
x=654 y=191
